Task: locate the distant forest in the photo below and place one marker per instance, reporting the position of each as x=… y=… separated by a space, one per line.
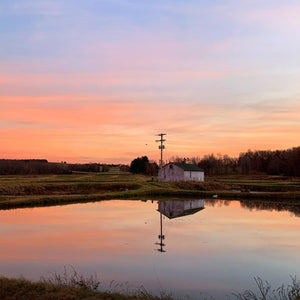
x=278 y=162
x=42 y=166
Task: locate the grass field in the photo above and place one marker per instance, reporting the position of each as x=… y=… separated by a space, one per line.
x=43 y=190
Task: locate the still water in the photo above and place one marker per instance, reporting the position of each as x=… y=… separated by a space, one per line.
x=199 y=247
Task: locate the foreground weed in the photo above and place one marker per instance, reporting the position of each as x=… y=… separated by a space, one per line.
x=140 y=293
x=73 y=279
x=290 y=292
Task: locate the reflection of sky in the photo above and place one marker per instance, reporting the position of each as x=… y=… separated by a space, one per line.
x=220 y=248
x=103 y=72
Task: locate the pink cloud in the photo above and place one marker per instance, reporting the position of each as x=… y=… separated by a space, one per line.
x=95 y=83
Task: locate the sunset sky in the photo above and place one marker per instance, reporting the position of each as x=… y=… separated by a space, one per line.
x=96 y=80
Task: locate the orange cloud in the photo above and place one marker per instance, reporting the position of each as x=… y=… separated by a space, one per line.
x=119 y=131
x=112 y=117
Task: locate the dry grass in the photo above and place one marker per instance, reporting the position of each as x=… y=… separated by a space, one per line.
x=265 y=291
x=75 y=287
x=22 y=289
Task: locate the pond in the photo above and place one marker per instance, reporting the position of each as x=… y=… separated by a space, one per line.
x=192 y=247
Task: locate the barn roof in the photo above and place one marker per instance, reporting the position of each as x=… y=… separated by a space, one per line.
x=188 y=167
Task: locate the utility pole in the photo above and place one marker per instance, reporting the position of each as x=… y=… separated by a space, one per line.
x=161 y=147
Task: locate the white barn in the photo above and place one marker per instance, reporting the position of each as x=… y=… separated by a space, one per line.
x=180 y=172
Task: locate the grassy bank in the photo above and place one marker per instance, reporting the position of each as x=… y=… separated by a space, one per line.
x=21 y=289
x=87 y=289
x=43 y=190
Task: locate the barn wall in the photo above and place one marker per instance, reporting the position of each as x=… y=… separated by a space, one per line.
x=192 y=175
x=168 y=173
x=174 y=173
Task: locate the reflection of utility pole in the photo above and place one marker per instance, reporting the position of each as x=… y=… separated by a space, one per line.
x=161 y=147
x=161 y=237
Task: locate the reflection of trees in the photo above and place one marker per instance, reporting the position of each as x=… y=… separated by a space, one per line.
x=251 y=205
x=295 y=209
x=216 y=202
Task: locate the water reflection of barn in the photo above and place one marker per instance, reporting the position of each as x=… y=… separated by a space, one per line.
x=175 y=209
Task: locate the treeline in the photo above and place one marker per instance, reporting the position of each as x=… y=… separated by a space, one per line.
x=212 y=164
x=278 y=162
x=30 y=166
x=42 y=166
x=92 y=167
x=142 y=165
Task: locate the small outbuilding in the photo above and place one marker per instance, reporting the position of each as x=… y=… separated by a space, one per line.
x=180 y=172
